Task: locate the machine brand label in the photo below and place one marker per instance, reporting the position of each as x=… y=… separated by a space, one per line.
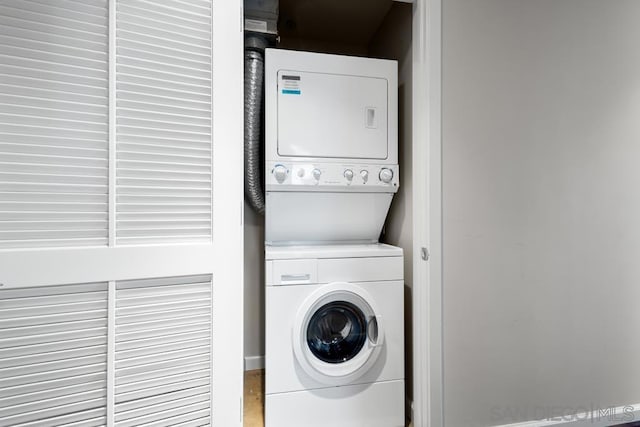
x=291 y=85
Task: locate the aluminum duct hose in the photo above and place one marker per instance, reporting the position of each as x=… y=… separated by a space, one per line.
x=253 y=82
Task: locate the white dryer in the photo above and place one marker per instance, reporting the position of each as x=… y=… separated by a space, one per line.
x=334 y=336
x=331 y=147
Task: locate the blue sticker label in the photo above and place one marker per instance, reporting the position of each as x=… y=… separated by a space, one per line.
x=290 y=92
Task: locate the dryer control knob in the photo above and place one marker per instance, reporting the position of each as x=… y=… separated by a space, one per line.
x=386 y=175
x=316 y=174
x=280 y=173
x=348 y=174
x=365 y=175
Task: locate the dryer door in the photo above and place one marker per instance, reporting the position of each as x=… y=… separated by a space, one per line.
x=338 y=334
x=326 y=115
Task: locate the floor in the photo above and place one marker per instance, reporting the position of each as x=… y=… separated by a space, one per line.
x=254 y=398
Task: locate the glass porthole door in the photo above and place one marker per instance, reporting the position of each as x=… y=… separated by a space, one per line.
x=338 y=333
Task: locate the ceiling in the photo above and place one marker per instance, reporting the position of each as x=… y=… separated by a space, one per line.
x=345 y=21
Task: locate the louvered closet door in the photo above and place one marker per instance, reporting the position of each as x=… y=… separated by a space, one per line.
x=53 y=123
x=53 y=355
x=163 y=121
x=163 y=352
x=115 y=261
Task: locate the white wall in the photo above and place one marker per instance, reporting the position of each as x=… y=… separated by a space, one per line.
x=541 y=156
x=253 y=288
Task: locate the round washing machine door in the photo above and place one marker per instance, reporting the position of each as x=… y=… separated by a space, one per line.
x=338 y=333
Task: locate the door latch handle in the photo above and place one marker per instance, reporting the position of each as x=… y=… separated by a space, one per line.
x=285 y=278
x=373 y=330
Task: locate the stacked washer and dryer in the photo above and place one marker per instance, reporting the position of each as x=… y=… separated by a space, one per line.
x=334 y=295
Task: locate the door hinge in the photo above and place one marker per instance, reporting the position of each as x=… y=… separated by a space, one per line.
x=424 y=253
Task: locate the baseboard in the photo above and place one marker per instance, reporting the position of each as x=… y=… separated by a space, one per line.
x=253 y=362
x=595 y=417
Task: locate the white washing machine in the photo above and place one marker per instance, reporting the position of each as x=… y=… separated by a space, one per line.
x=331 y=147
x=334 y=336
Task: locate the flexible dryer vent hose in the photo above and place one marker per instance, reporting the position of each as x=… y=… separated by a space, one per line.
x=253 y=97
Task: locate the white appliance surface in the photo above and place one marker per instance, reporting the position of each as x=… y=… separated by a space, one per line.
x=363 y=387
x=378 y=404
x=321 y=106
x=284 y=371
x=321 y=218
x=332 y=251
x=286 y=265
x=357 y=128
x=331 y=147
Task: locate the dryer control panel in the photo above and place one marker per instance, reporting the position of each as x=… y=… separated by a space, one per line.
x=307 y=176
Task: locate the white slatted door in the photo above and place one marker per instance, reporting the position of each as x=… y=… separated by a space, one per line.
x=53 y=123
x=53 y=355
x=163 y=121
x=163 y=351
x=120 y=213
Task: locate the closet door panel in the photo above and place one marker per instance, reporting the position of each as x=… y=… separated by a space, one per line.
x=53 y=355
x=53 y=124
x=163 y=122
x=163 y=345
